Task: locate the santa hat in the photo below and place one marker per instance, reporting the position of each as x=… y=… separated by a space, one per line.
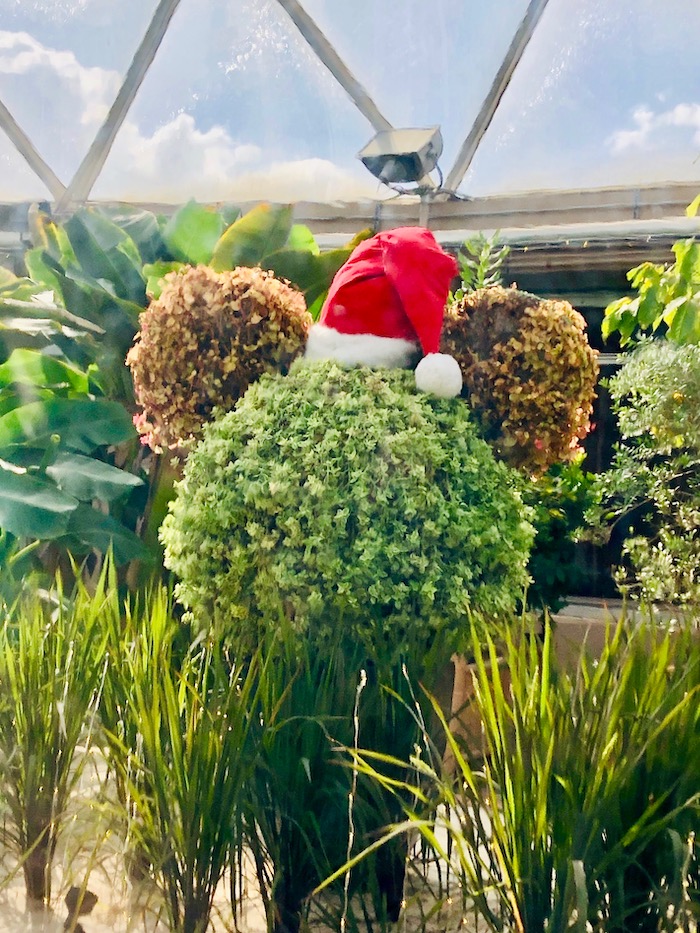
x=386 y=305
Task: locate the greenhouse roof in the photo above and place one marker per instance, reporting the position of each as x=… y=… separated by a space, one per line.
x=243 y=100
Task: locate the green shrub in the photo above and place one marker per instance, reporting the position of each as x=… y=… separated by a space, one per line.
x=340 y=497
x=529 y=372
x=653 y=486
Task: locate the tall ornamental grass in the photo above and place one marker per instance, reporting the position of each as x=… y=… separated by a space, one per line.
x=52 y=666
x=179 y=744
x=580 y=809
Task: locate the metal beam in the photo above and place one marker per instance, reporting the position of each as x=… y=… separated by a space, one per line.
x=491 y=101
x=334 y=63
x=83 y=180
x=26 y=149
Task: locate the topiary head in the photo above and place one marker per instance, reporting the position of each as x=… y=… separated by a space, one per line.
x=204 y=341
x=529 y=372
x=344 y=497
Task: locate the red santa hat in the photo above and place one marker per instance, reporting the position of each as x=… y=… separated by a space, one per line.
x=385 y=307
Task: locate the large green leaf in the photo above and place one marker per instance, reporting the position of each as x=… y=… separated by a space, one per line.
x=685 y=321
x=192 y=233
x=143 y=228
x=38 y=327
x=82 y=298
x=44 y=269
x=155 y=273
x=29 y=367
x=86 y=478
x=300 y=237
x=81 y=424
x=105 y=252
x=92 y=529
x=261 y=231
x=16 y=288
x=32 y=506
x=104 y=298
x=49 y=236
x=311 y=274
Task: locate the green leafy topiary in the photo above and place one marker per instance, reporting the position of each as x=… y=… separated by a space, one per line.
x=208 y=336
x=529 y=372
x=338 y=497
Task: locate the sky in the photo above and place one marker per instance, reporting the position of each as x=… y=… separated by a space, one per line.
x=236 y=106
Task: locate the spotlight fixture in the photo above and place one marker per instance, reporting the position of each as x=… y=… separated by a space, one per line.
x=402 y=156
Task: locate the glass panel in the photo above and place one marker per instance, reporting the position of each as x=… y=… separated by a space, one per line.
x=61 y=65
x=605 y=94
x=235 y=107
x=17 y=181
x=423 y=64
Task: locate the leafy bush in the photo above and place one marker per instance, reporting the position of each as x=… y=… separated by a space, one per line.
x=529 y=372
x=560 y=499
x=203 y=342
x=345 y=498
x=653 y=485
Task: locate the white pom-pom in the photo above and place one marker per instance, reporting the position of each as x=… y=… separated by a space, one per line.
x=440 y=374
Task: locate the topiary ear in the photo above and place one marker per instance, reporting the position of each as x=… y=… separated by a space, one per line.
x=204 y=341
x=529 y=372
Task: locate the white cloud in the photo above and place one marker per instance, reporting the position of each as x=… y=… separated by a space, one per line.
x=173 y=162
x=178 y=162
x=654 y=130
x=52 y=74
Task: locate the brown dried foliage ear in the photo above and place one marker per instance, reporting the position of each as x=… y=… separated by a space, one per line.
x=529 y=372
x=204 y=341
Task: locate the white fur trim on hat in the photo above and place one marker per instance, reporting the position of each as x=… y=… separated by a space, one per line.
x=324 y=343
x=439 y=374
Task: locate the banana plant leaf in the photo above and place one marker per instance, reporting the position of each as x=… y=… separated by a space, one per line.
x=81 y=424
x=30 y=368
x=144 y=228
x=32 y=506
x=155 y=272
x=192 y=233
x=49 y=236
x=86 y=298
x=88 y=529
x=86 y=478
x=105 y=252
x=300 y=237
x=252 y=237
x=310 y=273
